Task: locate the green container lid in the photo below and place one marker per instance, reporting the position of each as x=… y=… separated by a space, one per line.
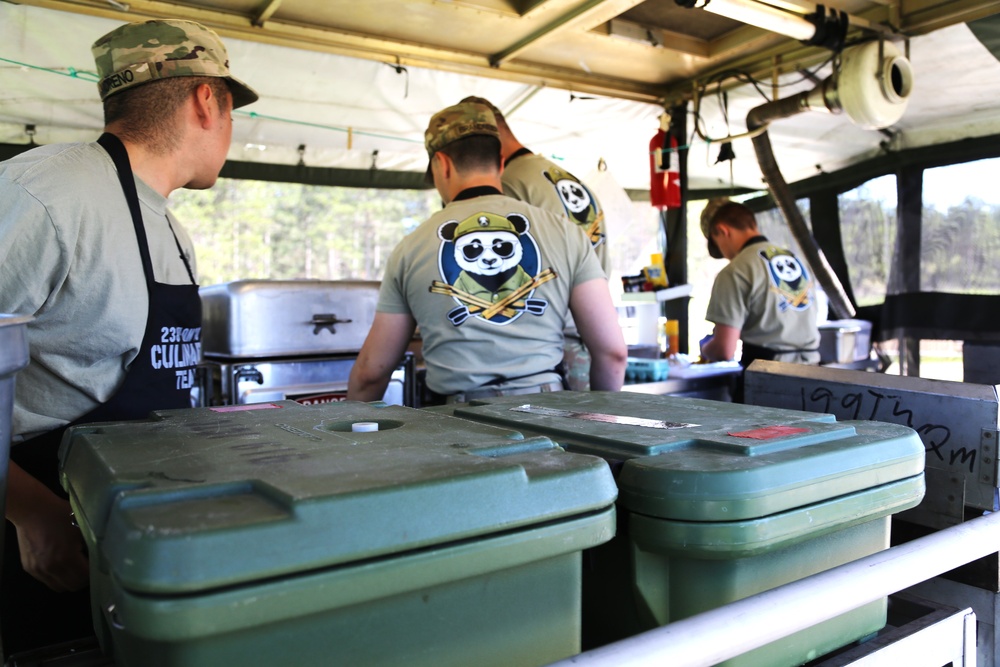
x=696 y=460
x=196 y=499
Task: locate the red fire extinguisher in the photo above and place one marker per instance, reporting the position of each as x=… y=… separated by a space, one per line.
x=664 y=168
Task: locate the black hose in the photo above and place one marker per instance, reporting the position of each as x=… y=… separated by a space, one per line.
x=760 y=117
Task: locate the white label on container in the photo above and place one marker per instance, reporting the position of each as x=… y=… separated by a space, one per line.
x=601 y=417
x=243 y=408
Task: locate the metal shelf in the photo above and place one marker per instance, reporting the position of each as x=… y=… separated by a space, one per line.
x=665 y=294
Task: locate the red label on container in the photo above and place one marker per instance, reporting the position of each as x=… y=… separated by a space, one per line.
x=770 y=432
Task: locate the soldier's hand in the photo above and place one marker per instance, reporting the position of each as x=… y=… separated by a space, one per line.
x=52 y=548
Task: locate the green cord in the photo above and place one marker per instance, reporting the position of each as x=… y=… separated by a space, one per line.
x=94 y=78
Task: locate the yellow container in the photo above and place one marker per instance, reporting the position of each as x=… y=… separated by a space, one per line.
x=672 y=333
x=655 y=273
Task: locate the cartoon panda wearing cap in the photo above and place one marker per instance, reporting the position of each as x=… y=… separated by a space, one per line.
x=580 y=205
x=789 y=278
x=491 y=268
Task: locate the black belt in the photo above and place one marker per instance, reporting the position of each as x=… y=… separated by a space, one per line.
x=430 y=397
x=492 y=392
x=753 y=352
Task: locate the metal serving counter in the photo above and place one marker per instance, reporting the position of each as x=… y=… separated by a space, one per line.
x=306 y=380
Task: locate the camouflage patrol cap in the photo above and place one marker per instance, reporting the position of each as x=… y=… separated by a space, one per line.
x=707 y=218
x=484 y=222
x=137 y=53
x=462 y=120
x=486 y=103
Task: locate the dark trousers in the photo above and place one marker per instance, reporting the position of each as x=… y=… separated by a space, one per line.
x=31 y=614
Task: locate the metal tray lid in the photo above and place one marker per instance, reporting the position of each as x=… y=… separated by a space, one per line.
x=698 y=460
x=191 y=500
x=284 y=318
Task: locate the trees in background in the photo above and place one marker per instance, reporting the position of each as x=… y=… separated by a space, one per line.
x=256 y=230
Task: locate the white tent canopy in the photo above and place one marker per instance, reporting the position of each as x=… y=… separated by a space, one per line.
x=355 y=113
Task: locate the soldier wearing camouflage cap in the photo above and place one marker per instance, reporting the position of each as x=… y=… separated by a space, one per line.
x=537 y=180
x=138 y=53
x=764 y=297
x=454 y=123
x=90 y=250
x=489 y=280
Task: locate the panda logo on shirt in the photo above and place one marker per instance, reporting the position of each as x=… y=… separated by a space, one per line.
x=580 y=205
x=490 y=265
x=788 y=277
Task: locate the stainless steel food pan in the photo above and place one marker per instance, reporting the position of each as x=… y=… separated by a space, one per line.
x=285 y=318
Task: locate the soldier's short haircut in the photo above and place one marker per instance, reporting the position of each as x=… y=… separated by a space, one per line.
x=735 y=215
x=478 y=152
x=148 y=113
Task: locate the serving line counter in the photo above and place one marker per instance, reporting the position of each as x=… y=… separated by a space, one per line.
x=714 y=381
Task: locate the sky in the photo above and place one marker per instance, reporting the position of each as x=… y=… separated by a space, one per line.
x=948 y=186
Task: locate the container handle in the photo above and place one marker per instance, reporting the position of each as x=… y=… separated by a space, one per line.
x=322 y=321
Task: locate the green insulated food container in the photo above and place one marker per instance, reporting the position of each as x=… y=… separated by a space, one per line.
x=338 y=534
x=719 y=501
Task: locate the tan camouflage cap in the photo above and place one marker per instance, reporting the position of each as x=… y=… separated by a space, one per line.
x=137 y=53
x=486 y=103
x=707 y=218
x=462 y=120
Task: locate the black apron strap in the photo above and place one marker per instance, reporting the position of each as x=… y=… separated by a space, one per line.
x=116 y=149
x=501 y=380
x=753 y=352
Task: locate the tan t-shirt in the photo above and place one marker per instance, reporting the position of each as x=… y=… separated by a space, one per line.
x=69 y=257
x=491 y=304
x=768 y=294
x=542 y=183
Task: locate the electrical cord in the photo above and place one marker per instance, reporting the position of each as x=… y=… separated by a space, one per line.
x=747 y=78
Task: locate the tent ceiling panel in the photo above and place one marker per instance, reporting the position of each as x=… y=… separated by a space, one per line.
x=353 y=83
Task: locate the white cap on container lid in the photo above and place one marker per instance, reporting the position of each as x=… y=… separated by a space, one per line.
x=364 y=427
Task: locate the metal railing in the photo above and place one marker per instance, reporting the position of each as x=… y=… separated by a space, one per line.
x=713 y=636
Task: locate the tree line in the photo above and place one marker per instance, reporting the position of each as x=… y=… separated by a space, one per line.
x=281 y=231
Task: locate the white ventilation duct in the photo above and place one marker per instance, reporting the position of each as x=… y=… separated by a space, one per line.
x=872 y=86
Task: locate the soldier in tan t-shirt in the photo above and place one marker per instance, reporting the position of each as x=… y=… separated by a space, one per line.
x=488 y=279
x=537 y=180
x=764 y=296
